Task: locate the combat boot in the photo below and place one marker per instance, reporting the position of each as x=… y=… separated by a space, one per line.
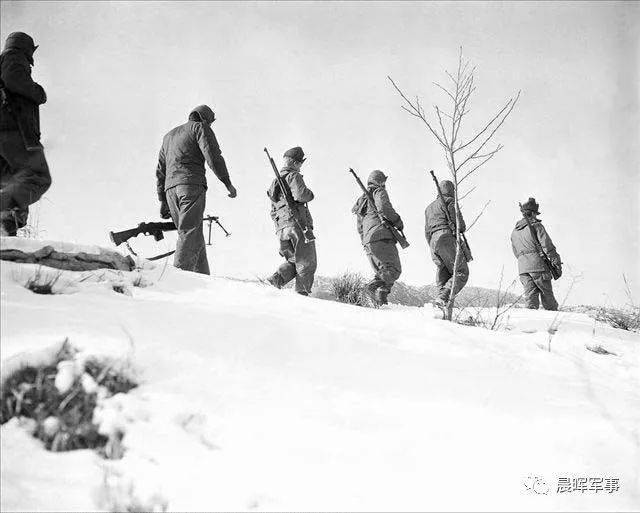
x=381 y=297
x=275 y=280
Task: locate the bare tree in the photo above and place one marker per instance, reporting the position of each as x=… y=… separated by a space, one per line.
x=464 y=156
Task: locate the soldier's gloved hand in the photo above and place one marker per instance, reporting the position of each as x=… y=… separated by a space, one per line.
x=232 y=191
x=557 y=264
x=164 y=210
x=42 y=95
x=400 y=225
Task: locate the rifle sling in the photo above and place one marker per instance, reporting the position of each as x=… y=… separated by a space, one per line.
x=163 y=255
x=536 y=241
x=157 y=257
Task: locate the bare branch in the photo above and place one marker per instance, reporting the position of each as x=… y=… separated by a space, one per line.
x=467 y=193
x=451 y=77
x=508 y=107
x=446 y=114
x=478 y=216
x=444 y=135
x=410 y=112
x=469 y=173
x=463 y=93
x=445 y=90
x=417 y=111
x=498 y=148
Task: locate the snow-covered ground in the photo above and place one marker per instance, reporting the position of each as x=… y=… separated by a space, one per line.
x=255 y=398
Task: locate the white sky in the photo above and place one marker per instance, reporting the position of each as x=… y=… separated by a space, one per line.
x=120 y=75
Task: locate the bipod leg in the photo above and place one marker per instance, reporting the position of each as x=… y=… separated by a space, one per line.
x=209 y=241
x=226 y=233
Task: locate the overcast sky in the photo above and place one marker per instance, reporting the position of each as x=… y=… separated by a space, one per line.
x=120 y=75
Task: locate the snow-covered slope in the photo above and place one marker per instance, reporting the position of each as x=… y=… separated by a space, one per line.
x=255 y=398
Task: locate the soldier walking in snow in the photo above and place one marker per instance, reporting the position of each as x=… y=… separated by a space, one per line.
x=535 y=272
x=378 y=241
x=441 y=237
x=182 y=184
x=24 y=174
x=293 y=226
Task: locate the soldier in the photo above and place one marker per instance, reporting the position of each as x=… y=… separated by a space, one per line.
x=182 y=184
x=379 y=244
x=534 y=274
x=442 y=242
x=293 y=228
x=24 y=174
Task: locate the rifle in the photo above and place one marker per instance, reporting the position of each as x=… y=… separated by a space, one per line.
x=397 y=234
x=466 y=250
x=555 y=272
x=158 y=229
x=286 y=191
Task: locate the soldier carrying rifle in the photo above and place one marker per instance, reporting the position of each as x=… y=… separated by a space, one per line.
x=379 y=227
x=441 y=220
x=538 y=260
x=289 y=196
x=24 y=174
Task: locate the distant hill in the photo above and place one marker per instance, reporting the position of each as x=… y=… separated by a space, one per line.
x=411 y=295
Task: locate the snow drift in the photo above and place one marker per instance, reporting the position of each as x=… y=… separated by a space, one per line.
x=256 y=398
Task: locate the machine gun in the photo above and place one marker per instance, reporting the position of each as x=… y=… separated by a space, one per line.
x=464 y=245
x=397 y=234
x=555 y=271
x=286 y=191
x=158 y=229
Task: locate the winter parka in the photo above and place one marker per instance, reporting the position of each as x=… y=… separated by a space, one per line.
x=436 y=218
x=368 y=224
x=524 y=248
x=23 y=94
x=185 y=149
x=281 y=214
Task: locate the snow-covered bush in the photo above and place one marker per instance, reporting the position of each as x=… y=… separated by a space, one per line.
x=43 y=281
x=350 y=288
x=61 y=397
x=623 y=318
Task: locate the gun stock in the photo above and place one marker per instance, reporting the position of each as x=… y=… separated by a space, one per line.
x=119 y=237
x=155 y=229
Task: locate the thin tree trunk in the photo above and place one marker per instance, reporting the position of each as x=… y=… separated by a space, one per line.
x=456 y=262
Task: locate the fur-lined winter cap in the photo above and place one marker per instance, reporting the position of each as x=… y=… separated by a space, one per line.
x=531 y=205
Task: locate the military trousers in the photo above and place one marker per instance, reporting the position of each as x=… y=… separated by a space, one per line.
x=385 y=262
x=186 y=205
x=443 y=253
x=538 y=286
x=301 y=260
x=24 y=178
